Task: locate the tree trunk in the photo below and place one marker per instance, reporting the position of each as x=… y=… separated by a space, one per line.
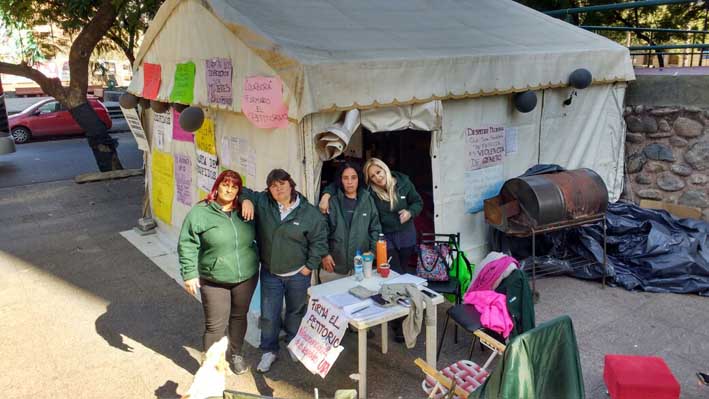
x=102 y=144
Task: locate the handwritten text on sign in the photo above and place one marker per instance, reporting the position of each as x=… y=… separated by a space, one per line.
x=207 y=168
x=317 y=343
x=484 y=147
x=183 y=179
x=219 y=73
x=262 y=102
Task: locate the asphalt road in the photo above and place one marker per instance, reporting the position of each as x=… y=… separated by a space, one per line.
x=60 y=159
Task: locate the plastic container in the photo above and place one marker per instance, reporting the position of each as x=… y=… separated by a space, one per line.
x=368 y=259
x=359 y=266
x=381 y=251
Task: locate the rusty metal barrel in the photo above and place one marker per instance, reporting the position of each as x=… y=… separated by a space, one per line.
x=548 y=199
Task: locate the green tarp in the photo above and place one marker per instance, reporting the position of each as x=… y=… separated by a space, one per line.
x=542 y=363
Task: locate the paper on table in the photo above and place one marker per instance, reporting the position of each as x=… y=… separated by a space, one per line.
x=364 y=310
x=406 y=279
x=343 y=300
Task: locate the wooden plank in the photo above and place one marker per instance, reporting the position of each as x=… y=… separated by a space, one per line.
x=680 y=211
x=111 y=175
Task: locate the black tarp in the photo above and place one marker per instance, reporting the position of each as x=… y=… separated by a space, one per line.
x=647 y=249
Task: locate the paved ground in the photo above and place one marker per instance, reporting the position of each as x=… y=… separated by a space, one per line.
x=60 y=159
x=83 y=314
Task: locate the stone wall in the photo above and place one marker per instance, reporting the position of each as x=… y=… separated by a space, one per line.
x=667 y=155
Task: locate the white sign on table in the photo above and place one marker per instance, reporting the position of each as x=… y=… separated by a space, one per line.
x=317 y=343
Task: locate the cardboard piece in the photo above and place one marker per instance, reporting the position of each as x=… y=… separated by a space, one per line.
x=680 y=211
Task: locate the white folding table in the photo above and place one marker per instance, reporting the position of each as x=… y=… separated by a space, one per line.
x=374 y=283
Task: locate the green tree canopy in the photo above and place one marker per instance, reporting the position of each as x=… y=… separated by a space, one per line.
x=673 y=16
x=89 y=24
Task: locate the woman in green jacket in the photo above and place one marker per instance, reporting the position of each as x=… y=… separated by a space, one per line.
x=353 y=223
x=292 y=238
x=398 y=204
x=218 y=256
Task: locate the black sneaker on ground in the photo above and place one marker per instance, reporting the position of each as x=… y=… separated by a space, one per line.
x=238 y=365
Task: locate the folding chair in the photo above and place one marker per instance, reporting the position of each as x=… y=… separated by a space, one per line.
x=547 y=352
x=452 y=286
x=462 y=377
x=520 y=305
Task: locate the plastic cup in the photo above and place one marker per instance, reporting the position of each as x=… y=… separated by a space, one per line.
x=384 y=270
x=368 y=259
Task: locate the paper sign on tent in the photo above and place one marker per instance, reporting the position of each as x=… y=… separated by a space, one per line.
x=183 y=87
x=219 y=72
x=151 y=80
x=204 y=138
x=136 y=127
x=178 y=133
x=183 y=179
x=163 y=189
x=262 y=102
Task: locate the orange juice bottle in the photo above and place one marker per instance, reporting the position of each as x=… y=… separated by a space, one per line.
x=381 y=251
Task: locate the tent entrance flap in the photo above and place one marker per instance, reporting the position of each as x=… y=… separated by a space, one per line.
x=333 y=141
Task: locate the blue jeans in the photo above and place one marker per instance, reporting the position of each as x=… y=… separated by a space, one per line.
x=273 y=289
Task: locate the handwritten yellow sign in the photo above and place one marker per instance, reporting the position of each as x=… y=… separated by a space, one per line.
x=205 y=137
x=163 y=188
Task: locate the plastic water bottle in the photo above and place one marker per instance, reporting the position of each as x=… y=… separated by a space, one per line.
x=359 y=266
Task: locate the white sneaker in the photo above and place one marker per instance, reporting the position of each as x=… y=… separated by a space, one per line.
x=266 y=361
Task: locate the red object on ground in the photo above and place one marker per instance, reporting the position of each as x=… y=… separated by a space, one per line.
x=639 y=377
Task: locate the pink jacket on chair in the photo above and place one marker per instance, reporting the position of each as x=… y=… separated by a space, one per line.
x=492 y=307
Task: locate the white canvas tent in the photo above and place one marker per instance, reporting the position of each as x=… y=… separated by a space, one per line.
x=442 y=66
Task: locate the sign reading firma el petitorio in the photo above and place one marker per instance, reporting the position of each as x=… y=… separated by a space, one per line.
x=317 y=343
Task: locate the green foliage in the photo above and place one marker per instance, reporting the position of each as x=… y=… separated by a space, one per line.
x=71 y=16
x=675 y=16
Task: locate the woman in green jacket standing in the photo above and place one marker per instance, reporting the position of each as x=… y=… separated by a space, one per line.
x=218 y=256
x=353 y=223
x=398 y=204
x=292 y=238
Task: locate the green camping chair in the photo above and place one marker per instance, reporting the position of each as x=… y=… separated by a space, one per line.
x=540 y=363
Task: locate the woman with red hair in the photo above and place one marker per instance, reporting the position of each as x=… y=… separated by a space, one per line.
x=218 y=257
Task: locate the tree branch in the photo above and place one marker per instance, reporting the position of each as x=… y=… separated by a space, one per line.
x=51 y=86
x=84 y=45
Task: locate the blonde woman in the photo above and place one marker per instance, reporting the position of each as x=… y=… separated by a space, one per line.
x=398 y=204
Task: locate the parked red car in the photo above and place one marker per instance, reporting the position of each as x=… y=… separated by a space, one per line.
x=49 y=118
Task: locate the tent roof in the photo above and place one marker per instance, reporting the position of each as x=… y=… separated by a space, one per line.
x=342 y=54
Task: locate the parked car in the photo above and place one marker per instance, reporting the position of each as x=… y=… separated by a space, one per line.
x=49 y=118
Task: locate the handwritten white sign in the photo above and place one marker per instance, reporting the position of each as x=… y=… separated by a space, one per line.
x=317 y=343
x=484 y=147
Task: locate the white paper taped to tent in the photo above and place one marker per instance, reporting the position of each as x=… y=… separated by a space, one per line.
x=333 y=141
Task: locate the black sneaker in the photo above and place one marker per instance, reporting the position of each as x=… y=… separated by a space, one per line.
x=238 y=365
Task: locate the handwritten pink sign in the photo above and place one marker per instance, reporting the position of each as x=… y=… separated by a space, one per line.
x=151 y=81
x=178 y=133
x=262 y=102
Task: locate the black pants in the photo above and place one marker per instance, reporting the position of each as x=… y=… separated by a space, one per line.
x=400 y=258
x=222 y=303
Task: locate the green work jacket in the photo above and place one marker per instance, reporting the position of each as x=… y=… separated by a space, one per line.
x=361 y=234
x=215 y=246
